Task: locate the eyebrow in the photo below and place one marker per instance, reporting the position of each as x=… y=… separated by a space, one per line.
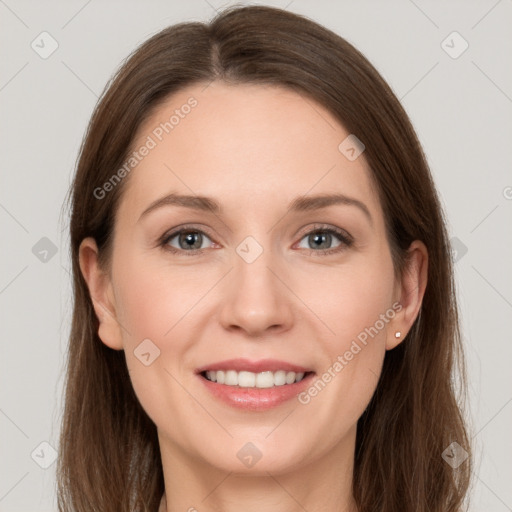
x=300 y=204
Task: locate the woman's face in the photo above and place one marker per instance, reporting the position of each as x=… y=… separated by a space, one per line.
x=271 y=280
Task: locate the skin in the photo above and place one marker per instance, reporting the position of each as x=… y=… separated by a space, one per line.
x=253 y=149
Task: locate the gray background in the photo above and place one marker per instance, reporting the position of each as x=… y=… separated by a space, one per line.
x=461 y=108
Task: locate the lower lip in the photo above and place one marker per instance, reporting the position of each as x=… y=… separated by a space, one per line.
x=256 y=399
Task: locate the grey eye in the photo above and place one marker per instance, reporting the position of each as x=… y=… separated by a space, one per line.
x=188 y=240
x=320 y=240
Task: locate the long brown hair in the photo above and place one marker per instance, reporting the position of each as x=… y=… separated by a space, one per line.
x=109 y=458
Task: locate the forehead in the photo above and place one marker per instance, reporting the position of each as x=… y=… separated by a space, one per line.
x=249 y=146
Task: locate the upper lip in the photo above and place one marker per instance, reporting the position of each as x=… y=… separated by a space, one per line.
x=240 y=365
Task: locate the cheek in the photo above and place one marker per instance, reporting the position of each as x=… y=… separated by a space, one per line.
x=153 y=299
x=356 y=304
x=352 y=298
x=362 y=310
x=152 y=304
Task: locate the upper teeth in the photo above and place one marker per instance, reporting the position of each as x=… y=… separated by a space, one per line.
x=254 y=380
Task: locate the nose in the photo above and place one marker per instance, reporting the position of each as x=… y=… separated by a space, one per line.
x=255 y=300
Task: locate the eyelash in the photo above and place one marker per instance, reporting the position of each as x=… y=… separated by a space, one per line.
x=345 y=239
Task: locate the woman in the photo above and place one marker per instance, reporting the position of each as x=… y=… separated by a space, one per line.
x=264 y=313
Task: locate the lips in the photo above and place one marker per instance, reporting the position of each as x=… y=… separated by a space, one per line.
x=262 y=394
x=245 y=365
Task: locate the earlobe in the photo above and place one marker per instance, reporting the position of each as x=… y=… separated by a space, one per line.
x=412 y=289
x=100 y=291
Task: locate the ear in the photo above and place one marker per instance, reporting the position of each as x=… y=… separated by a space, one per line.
x=102 y=296
x=411 y=290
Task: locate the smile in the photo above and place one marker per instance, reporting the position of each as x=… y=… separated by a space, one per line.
x=266 y=379
x=254 y=385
